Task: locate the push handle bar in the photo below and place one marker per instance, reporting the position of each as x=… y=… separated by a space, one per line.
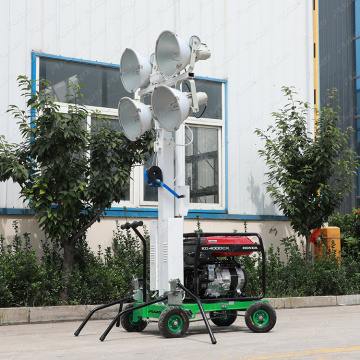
x=133 y=225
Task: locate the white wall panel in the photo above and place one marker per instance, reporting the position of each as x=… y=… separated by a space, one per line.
x=51 y=28
x=4 y=65
x=68 y=22
x=97 y=30
x=82 y=30
x=113 y=28
x=274 y=47
x=142 y=38
x=36 y=20
x=259 y=46
x=127 y=26
x=17 y=14
x=4 y=82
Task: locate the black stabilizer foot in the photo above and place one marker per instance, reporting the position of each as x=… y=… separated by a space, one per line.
x=212 y=337
x=91 y=313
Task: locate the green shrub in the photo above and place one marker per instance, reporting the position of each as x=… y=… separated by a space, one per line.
x=296 y=277
x=349 y=225
x=20 y=272
x=96 y=278
x=106 y=276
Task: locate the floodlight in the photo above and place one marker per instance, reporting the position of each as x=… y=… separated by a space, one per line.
x=171 y=106
x=135 y=70
x=172 y=53
x=134 y=118
x=201 y=50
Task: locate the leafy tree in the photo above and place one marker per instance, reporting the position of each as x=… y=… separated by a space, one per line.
x=349 y=225
x=69 y=174
x=308 y=178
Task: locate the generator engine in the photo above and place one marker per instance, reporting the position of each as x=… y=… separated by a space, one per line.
x=211 y=269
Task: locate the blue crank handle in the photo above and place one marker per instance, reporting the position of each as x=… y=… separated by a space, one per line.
x=167 y=188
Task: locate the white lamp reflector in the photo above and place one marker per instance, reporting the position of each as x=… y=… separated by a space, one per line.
x=135 y=70
x=171 y=107
x=134 y=118
x=172 y=53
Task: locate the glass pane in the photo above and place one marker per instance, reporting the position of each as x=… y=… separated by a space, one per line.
x=357 y=84
x=150 y=192
x=357 y=203
x=202 y=165
x=358 y=136
x=102 y=85
x=213 y=89
x=357 y=56
x=357 y=18
x=114 y=123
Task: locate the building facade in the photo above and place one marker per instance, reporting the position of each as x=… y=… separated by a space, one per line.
x=257 y=47
x=339 y=57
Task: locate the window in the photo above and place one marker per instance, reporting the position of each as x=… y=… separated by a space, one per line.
x=205 y=131
x=102 y=85
x=205 y=158
x=202 y=164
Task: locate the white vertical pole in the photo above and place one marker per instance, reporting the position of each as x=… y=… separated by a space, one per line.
x=169 y=229
x=180 y=156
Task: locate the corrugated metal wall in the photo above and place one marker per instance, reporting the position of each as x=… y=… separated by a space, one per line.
x=337 y=64
x=257 y=45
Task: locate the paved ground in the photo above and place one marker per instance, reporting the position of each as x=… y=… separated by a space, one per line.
x=308 y=333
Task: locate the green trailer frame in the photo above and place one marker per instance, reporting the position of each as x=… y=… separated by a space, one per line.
x=174 y=316
x=192 y=309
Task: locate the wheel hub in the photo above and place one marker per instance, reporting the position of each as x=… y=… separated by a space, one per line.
x=175 y=323
x=261 y=317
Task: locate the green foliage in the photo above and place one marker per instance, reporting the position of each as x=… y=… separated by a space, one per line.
x=106 y=276
x=96 y=278
x=297 y=277
x=20 y=273
x=245 y=226
x=349 y=225
x=307 y=178
x=198 y=225
x=68 y=174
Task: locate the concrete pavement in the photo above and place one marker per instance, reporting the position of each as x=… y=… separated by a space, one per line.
x=303 y=333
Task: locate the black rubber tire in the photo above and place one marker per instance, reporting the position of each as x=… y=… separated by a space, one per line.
x=223 y=317
x=260 y=317
x=129 y=325
x=173 y=322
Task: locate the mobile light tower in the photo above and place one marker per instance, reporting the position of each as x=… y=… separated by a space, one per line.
x=172 y=63
x=207 y=260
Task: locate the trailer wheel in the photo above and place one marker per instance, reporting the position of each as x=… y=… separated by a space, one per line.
x=223 y=317
x=173 y=322
x=260 y=317
x=131 y=325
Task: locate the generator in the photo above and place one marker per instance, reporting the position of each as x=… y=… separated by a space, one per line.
x=211 y=269
x=214 y=283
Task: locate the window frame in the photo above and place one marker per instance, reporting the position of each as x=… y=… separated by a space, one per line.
x=136 y=198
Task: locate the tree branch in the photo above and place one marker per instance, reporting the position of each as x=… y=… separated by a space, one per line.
x=85 y=227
